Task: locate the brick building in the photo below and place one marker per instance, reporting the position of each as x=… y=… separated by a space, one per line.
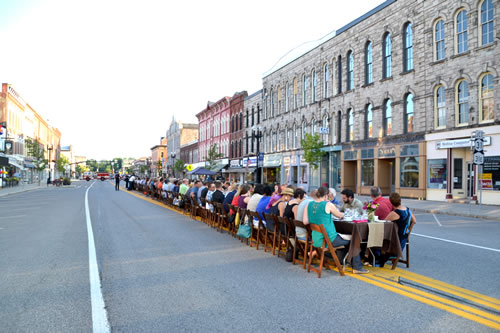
x=379 y=89
x=178 y=134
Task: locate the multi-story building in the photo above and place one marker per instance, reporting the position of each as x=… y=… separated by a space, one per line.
x=67 y=151
x=236 y=129
x=178 y=134
x=189 y=154
x=391 y=94
x=214 y=129
x=159 y=155
x=22 y=122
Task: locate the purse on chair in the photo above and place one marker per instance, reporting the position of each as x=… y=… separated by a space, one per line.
x=245 y=228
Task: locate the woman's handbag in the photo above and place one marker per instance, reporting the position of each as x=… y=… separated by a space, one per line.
x=245 y=228
x=237 y=218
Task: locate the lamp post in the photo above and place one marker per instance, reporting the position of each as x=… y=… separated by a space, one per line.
x=173 y=155
x=50 y=148
x=257 y=134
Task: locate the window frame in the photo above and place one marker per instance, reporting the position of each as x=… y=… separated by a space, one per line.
x=314 y=86
x=439 y=42
x=387 y=56
x=368 y=63
x=350 y=125
x=437 y=107
x=368 y=120
x=287 y=97
x=481 y=98
x=350 y=70
x=339 y=74
x=487 y=23
x=464 y=32
x=408 y=47
x=304 y=90
x=387 y=106
x=295 y=92
x=459 y=103
x=407 y=114
x=326 y=74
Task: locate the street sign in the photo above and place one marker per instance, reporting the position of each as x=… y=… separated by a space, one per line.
x=478 y=158
x=324 y=130
x=189 y=167
x=479 y=134
x=478 y=145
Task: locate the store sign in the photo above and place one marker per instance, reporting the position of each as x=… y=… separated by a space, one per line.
x=324 y=130
x=286 y=160
x=249 y=162
x=273 y=160
x=387 y=152
x=461 y=143
x=235 y=164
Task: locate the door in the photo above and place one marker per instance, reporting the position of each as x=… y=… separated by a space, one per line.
x=458 y=178
x=393 y=176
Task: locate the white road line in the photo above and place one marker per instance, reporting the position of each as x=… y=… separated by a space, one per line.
x=99 y=316
x=11 y=217
x=435 y=218
x=459 y=243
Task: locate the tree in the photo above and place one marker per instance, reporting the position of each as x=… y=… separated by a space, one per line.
x=92 y=165
x=143 y=169
x=212 y=156
x=159 y=167
x=61 y=164
x=79 y=170
x=179 y=165
x=312 y=145
x=37 y=152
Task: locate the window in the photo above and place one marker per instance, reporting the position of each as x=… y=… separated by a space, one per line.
x=461 y=26
x=350 y=71
x=388 y=117
x=440 y=107
x=279 y=100
x=492 y=166
x=369 y=121
x=326 y=122
x=439 y=39
x=265 y=103
x=278 y=140
x=408 y=48
x=487 y=22
x=367 y=172
x=339 y=126
x=327 y=80
x=350 y=125
x=368 y=63
x=436 y=174
x=253 y=116
x=387 y=65
x=304 y=130
x=258 y=113
x=339 y=73
x=409 y=112
x=247 y=118
x=409 y=172
x=287 y=138
x=287 y=97
x=294 y=136
x=314 y=85
x=462 y=95
x=304 y=90
x=486 y=103
x=295 y=93
x=272 y=103
x=241 y=121
x=236 y=123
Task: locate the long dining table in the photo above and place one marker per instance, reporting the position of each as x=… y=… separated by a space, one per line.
x=360 y=232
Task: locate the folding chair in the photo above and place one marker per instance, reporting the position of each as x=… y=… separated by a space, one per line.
x=231 y=226
x=300 y=244
x=322 y=250
x=274 y=232
x=284 y=236
x=407 y=258
x=258 y=231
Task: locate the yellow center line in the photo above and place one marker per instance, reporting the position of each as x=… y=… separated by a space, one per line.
x=388 y=280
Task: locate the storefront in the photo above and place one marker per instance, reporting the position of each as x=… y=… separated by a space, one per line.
x=296 y=170
x=450 y=173
x=397 y=166
x=272 y=169
x=242 y=170
x=329 y=169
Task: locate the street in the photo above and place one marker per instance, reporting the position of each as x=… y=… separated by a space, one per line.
x=164 y=272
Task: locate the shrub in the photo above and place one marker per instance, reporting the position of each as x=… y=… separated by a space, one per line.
x=66 y=181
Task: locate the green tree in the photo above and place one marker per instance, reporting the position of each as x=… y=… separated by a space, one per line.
x=179 y=166
x=312 y=145
x=143 y=169
x=37 y=152
x=79 y=170
x=92 y=165
x=159 y=167
x=212 y=156
x=61 y=164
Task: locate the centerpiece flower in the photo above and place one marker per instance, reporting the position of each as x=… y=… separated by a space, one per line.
x=370 y=208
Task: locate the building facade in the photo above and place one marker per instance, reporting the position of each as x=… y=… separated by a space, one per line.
x=380 y=87
x=159 y=155
x=178 y=134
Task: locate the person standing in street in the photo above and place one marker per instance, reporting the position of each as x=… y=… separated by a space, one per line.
x=126 y=181
x=117 y=181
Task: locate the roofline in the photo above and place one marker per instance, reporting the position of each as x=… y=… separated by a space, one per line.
x=338 y=32
x=158 y=146
x=205 y=109
x=254 y=94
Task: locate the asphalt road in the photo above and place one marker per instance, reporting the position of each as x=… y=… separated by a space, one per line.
x=164 y=272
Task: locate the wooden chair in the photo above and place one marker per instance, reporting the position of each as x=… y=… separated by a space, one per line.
x=326 y=242
x=231 y=226
x=221 y=216
x=302 y=245
x=272 y=235
x=407 y=257
x=257 y=231
x=284 y=236
x=212 y=214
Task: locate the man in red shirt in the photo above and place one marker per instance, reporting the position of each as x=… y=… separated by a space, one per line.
x=384 y=205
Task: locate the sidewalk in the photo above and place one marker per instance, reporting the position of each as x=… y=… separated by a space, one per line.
x=4 y=191
x=488 y=212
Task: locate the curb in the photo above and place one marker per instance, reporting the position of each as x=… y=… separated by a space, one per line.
x=22 y=191
x=451 y=213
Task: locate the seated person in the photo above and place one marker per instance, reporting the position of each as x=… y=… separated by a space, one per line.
x=349 y=202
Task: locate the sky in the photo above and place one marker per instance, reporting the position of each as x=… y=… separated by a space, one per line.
x=110 y=74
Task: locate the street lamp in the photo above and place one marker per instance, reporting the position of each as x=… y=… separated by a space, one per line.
x=50 y=148
x=173 y=155
x=257 y=134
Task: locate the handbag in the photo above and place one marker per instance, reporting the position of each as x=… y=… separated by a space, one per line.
x=237 y=219
x=245 y=228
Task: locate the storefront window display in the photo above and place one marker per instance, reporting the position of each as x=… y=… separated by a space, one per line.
x=491 y=173
x=409 y=172
x=272 y=175
x=437 y=174
x=367 y=171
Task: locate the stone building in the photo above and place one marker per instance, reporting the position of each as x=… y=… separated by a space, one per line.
x=377 y=89
x=178 y=134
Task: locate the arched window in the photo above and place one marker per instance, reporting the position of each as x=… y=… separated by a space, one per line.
x=409 y=112
x=247 y=117
x=279 y=100
x=388 y=117
x=408 y=48
x=339 y=126
x=350 y=125
x=294 y=136
x=304 y=90
x=241 y=121
x=287 y=138
x=278 y=139
x=253 y=116
x=369 y=121
x=272 y=103
x=314 y=127
x=327 y=81
x=486 y=22
x=368 y=63
x=304 y=130
x=287 y=98
x=314 y=86
x=339 y=73
x=350 y=71
x=387 y=61
x=326 y=122
x=461 y=31
x=241 y=148
x=439 y=39
x=486 y=100
x=295 y=93
x=462 y=103
x=440 y=107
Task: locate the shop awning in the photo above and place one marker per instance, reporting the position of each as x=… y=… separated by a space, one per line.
x=16 y=165
x=29 y=165
x=218 y=167
x=239 y=170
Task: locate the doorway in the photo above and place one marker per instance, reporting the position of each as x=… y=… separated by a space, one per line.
x=350 y=175
x=387 y=175
x=458 y=172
